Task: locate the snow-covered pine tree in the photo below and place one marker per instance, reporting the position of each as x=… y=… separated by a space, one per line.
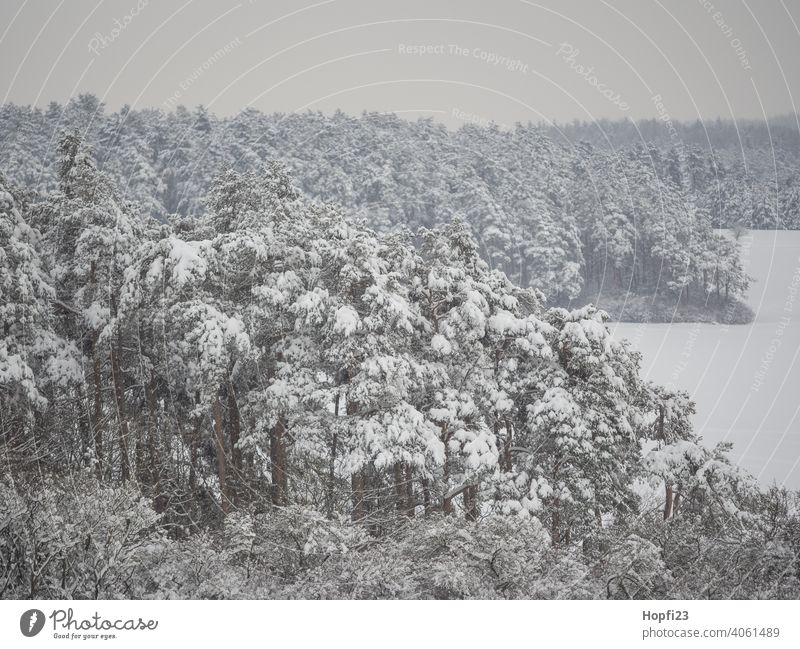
x=90 y=234
x=37 y=365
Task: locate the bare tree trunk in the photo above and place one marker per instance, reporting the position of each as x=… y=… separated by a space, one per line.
x=471 y=502
x=507 y=447
x=399 y=488
x=221 y=460
x=153 y=472
x=152 y=425
x=236 y=452
x=668 y=502
x=119 y=399
x=140 y=464
x=192 y=442
x=98 y=414
x=426 y=496
x=676 y=500
x=555 y=531
x=447 y=503
x=357 y=484
x=332 y=461
x=277 y=449
x=85 y=420
x=410 y=501
x=249 y=458
x=661 y=436
x=358 y=480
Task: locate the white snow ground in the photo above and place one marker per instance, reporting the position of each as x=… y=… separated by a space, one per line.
x=744 y=378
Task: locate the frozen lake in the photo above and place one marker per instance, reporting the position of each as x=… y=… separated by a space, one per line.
x=745 y=379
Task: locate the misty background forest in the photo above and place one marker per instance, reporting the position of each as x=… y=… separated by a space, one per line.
x=309 y=356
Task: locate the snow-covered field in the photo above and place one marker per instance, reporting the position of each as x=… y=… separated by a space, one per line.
x=744 y=378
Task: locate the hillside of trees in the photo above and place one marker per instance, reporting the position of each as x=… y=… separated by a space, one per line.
x=241 y=390
x=580 y=221
x=753 y=142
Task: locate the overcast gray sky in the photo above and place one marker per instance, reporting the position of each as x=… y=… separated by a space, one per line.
x=505 y=60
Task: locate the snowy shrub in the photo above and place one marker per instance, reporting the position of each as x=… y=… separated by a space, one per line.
x=441 y=558
x=73 y=539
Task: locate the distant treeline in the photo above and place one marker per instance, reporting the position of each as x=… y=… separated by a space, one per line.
x=568 y=216
x=781 y=133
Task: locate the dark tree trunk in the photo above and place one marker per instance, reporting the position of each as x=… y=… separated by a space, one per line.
x=399 y=487
x=426 y=496
x=236 y=452
x=447 y=502
x=332 y=461
x=410 y=501
x=668 y=502
x=471 y=502
x=555 y=531
x=221 y=460
x=119 y=400
x=154 y=469
x=676 y=500
x=507 y=447
x=357 y=483
x=447 y=505
x=193 y=443
x=277 y=446
x=97 y=424
x=85 y=421
x=358 y=480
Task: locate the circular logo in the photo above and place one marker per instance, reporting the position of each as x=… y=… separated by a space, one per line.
x=31 y=622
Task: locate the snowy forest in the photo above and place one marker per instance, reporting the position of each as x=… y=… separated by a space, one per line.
x=630 y=228
x=321 y=357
